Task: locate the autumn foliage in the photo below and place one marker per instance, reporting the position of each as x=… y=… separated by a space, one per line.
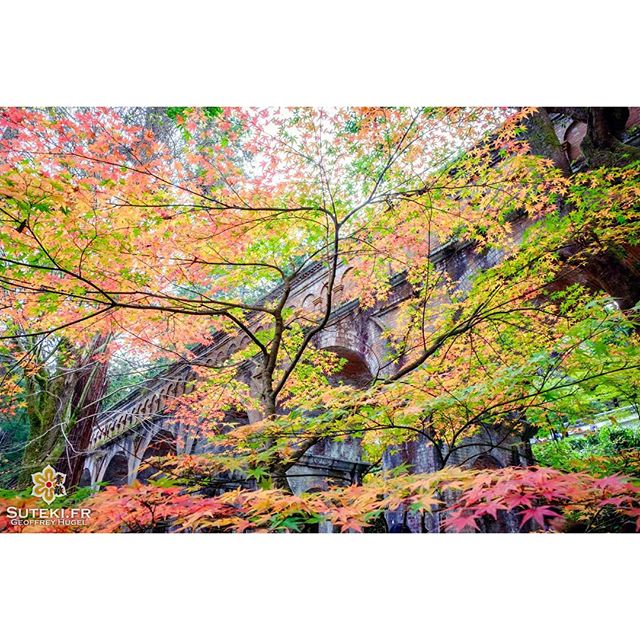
x=538 y=499
x=154 y=236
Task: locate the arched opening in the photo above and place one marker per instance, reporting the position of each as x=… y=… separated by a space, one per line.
x=162 y=444
x=85 y=479
x=354 y=372
x=347 y=289
x=234 y=418
x=307 y=303
x=486 y=461
x=117 y=472
x=321 y=300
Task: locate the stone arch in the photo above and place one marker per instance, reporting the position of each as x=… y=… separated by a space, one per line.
x=162 y=443
x=347 y=276
x=355 y=371
x=486 y=461
x=155 y=403
x=206 y=360
x=197 y=442
x=353 y=340
x=307 y=301
x=85 y=478
x=320 y=303
x=117 y=470
x=235 y=417
x=346 y=289
x=226 y=351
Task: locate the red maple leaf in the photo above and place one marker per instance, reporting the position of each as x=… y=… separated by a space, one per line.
x=537 y=514
x=458 y=521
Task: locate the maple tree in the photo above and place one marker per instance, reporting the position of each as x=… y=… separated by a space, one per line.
x=118 y=233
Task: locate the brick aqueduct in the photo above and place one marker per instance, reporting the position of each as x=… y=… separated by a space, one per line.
x=137 y=427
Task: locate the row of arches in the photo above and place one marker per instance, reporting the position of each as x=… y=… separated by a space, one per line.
x=128 y=461
x=344 y=290
x=152 y=405
x=125 y=465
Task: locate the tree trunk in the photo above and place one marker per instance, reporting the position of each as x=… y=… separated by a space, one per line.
x=544 y=142
x=601 y=145
x=88 y=388
x=62 y=407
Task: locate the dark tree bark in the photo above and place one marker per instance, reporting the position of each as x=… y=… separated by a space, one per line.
x=62 y=407
x=87 y=390
x=543 y=140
